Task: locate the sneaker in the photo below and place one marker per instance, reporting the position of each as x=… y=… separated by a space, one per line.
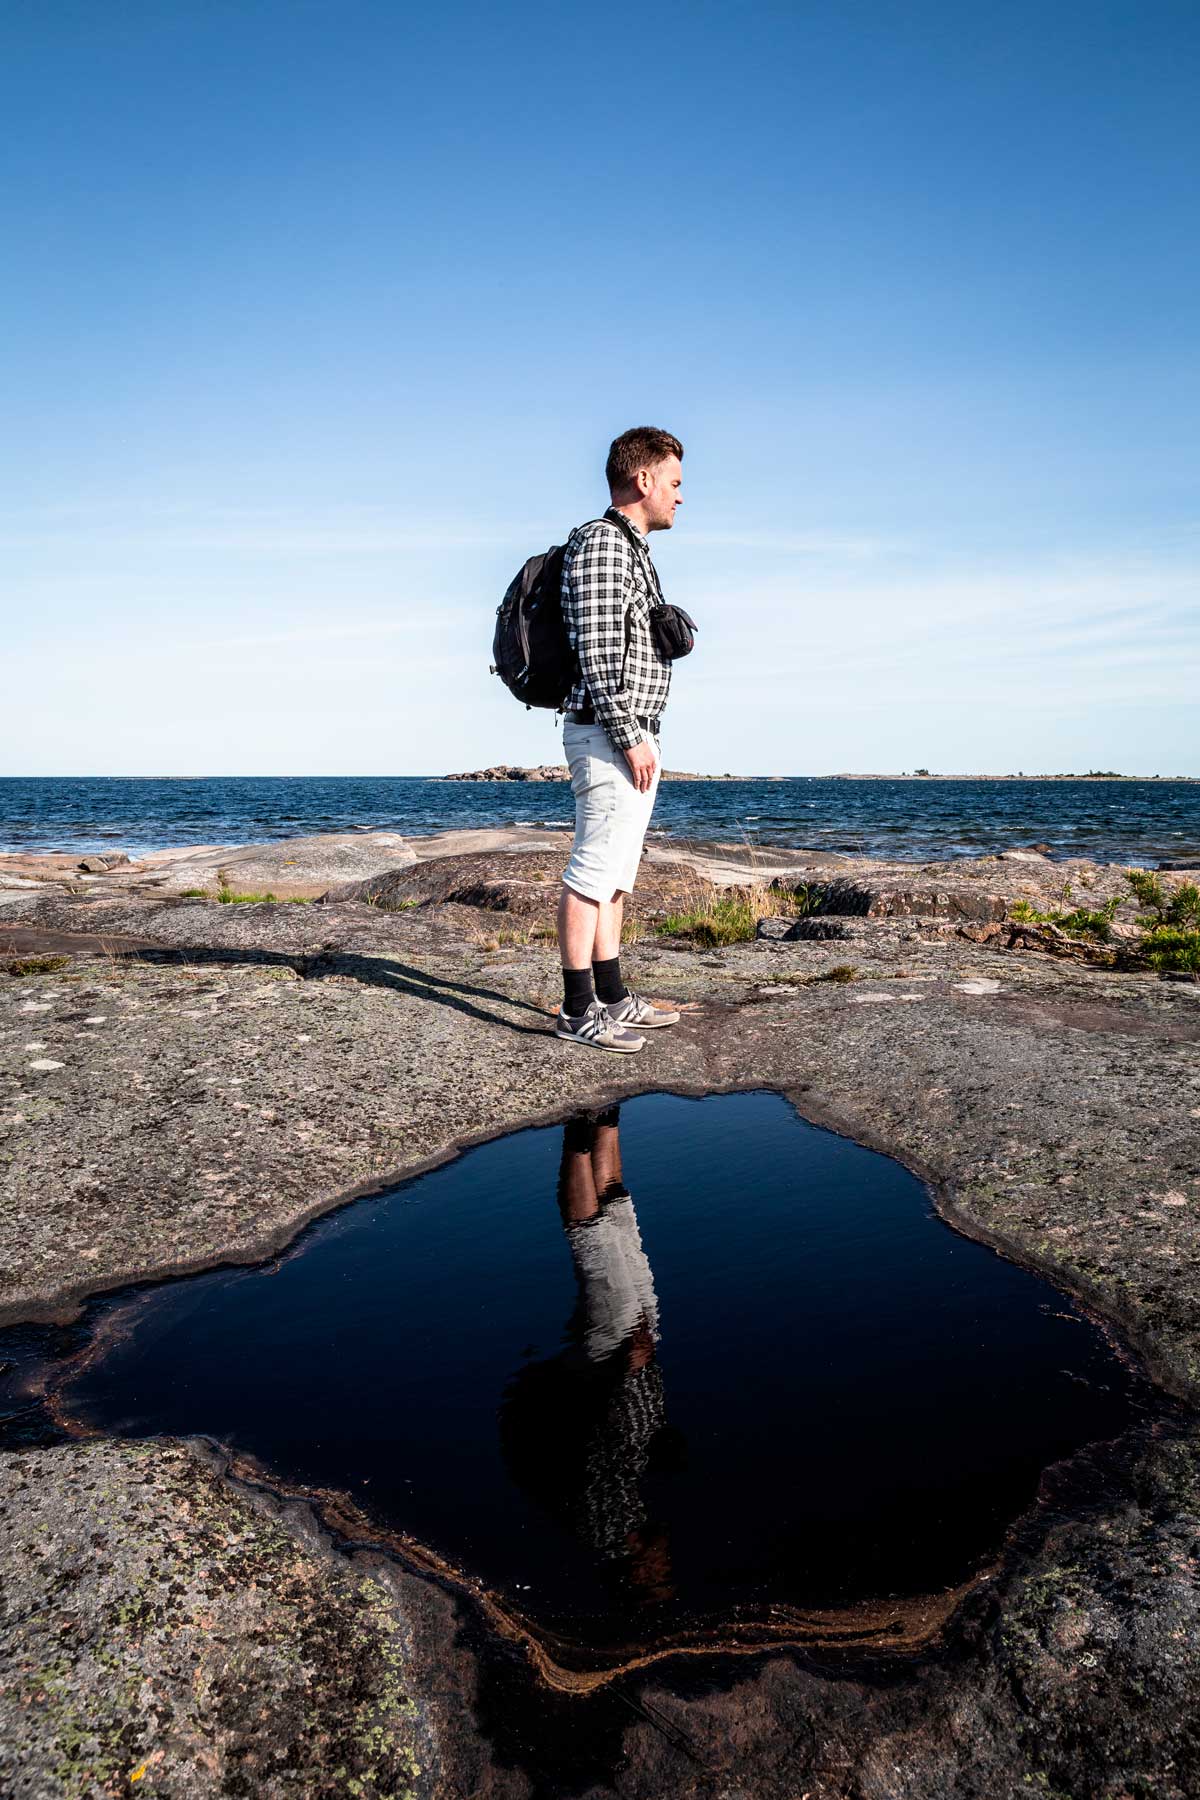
x=635 y=1011
x=597 y=1028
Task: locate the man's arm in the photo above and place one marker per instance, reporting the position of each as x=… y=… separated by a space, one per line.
x=595 y=602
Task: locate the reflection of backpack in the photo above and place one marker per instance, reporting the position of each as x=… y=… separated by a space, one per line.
x=531 y=652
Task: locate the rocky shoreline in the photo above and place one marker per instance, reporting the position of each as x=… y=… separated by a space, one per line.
x=186 y=1082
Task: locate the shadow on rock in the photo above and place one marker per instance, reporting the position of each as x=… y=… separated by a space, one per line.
x=372 y=971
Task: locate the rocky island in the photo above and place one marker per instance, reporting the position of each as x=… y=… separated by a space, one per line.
x=190 y=1073
x=558 y=772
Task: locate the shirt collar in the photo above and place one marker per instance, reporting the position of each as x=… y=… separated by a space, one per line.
x=637 y=534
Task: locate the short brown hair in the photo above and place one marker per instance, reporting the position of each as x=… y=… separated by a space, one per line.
x=638 y=449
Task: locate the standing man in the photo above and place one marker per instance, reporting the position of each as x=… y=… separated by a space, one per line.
x=611 y=735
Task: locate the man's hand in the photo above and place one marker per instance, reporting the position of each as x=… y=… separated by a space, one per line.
x=642 y=763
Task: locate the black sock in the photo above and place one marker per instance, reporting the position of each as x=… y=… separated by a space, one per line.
x=609 y=986
x=578 y=992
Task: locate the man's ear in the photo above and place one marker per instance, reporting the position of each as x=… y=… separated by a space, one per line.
x=645 y=481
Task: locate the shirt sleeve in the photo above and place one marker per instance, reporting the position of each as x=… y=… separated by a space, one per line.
x=597 y=583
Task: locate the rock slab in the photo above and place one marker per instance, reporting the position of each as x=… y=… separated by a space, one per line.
x=293 y=868
x=159 y=1626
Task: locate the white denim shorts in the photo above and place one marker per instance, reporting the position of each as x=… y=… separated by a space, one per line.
x=611 y=816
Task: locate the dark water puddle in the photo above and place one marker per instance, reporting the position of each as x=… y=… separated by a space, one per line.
x=694 y=1371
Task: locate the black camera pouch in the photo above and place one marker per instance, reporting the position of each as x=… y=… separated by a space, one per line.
x=673 y=631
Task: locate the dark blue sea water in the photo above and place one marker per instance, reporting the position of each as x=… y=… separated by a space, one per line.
x=690 y=1358
x=1143 y=822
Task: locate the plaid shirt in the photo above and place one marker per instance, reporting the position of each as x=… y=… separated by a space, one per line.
x=606 y=601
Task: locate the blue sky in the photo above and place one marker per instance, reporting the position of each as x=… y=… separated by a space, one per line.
x=318 y=319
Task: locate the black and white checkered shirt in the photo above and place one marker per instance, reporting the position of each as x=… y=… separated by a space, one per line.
x=607 y=594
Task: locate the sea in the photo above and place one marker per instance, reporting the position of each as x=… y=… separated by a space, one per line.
x=1144 y=823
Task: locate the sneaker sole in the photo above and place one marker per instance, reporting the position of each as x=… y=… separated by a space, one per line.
x=572 y=1037
x=651 y=1024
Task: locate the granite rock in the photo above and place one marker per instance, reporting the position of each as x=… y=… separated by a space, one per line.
x=163 y=1632
x=226 y=1073
x=892 y=899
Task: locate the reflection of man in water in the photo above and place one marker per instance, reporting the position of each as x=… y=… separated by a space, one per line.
x=579 y=1430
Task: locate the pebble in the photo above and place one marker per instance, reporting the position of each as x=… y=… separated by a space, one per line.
x=979 y=986
x=44 y=1062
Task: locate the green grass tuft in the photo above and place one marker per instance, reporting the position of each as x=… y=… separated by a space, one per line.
x=37 y=965
x=726 y=919
x=227 y=897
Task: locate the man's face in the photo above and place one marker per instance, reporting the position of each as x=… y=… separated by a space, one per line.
x=664 y=493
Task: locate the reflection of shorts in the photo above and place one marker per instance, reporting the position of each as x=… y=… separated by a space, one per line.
x=610 y=815
x=618 y=1288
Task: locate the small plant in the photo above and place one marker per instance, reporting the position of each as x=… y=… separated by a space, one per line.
x=1171 y=923
x=1172 y=951
x=841 y=972
x=1147 y=890
x=37 y=965
x=1180 y=906
x=1083 y=922
x=195 y=894
x=801 y=901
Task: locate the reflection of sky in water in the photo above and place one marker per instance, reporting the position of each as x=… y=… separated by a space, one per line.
x=749 y=1365
x=1131 y=822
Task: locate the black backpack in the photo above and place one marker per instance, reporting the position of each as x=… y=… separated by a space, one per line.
x=531 y=652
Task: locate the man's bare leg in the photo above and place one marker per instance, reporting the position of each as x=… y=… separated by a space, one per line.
x=576 y=1180
x=608 y=928
x=606 y=1157
x=588 y=930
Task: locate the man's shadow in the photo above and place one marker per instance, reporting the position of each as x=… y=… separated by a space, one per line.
x=372 y=971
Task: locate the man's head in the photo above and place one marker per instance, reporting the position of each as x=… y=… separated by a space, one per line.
x=645 y=476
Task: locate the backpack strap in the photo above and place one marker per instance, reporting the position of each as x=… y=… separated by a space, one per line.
x=613 y=517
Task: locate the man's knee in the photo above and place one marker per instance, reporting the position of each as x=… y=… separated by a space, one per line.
x=572 y=896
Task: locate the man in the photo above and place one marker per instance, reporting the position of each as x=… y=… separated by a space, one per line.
x=611 y=735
